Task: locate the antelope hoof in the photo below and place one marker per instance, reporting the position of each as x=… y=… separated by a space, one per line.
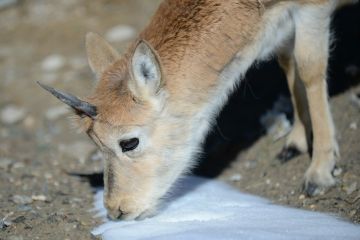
x=311 y=189
x=288 y=153
x=317 y=182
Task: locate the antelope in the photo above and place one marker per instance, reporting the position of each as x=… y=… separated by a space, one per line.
x=153 y=106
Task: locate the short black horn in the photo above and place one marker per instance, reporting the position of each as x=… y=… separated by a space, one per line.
x=74 y=102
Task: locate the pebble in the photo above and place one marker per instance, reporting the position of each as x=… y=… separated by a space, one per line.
x=250 y=164
x=337 y=172
x=268 y=181
x=302 y=197
x=19 y=219
x=5 y=163
x=4 y=223
x=236 y=177
x=353 y=126
x=41 y=198
x=53 y=63
x=24 y=208
x=12 y=114
x=56 y=112
x=21 y=199
x=120 y=33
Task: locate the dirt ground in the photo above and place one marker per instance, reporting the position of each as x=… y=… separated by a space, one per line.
x=41 y=196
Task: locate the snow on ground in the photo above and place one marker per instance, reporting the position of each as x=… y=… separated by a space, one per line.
x=208 y=209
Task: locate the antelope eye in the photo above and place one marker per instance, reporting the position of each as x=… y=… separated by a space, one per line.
x=129 y=144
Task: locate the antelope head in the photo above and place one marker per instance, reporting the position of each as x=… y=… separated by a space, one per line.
x=126 y=117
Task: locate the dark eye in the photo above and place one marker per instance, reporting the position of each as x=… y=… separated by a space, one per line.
x=129 y=144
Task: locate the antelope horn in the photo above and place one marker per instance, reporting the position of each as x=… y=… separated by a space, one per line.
x=74 y=102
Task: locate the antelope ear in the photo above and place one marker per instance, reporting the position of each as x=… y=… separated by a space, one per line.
x=100 y=53
x=146 y=70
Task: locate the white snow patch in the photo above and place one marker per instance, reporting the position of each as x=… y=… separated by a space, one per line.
x=120 y=33
x=208 y=209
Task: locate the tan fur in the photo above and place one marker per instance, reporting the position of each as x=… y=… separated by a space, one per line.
x=196 y=46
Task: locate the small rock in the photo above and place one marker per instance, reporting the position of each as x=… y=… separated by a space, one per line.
x=4 y=223
x=268 y=181
x=5 y=163
x=18 y=165
x=21 y=199
x=120 y=33
x=337 y=171
x=53 y=63
x=56 y=112
x=351 y=188
x=236 y=177
x=19 y=219
x=302 y=197
x=24 y=208
x=12 y=114
x=41 y=198
x=353 y=126
x=250 y=164
x=48 y=175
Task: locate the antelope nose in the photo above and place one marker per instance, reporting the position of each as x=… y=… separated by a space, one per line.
x=115 y=214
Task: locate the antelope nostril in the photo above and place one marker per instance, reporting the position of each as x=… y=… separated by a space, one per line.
x=116 y=214
x=121 y=213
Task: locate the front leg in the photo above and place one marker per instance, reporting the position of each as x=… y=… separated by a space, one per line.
x=311 y=56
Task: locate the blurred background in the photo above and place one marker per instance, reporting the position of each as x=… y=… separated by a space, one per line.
x=47 y=168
